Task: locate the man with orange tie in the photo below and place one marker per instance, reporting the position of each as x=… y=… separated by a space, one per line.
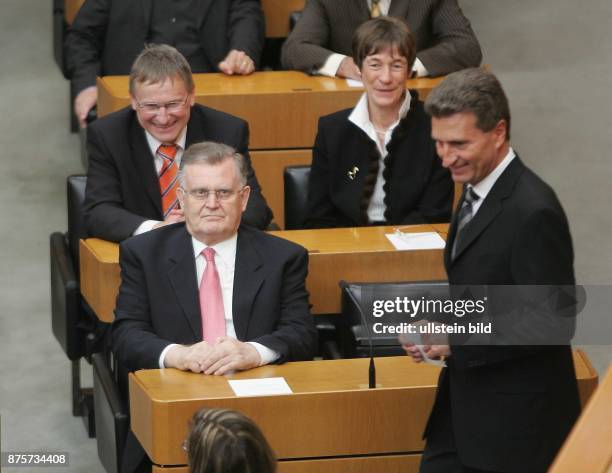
x=134 y=153
x=210 y=295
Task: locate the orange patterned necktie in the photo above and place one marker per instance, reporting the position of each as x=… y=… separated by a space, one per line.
x=168 y=181
x=375 y=9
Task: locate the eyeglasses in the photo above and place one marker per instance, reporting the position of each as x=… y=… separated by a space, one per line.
x=152 y=108
x=220 y=194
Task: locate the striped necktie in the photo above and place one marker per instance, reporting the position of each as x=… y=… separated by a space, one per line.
x=375 y=9
x=466 y=213
x=168 y=181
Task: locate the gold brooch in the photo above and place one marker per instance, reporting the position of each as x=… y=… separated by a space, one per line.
x=352 y=173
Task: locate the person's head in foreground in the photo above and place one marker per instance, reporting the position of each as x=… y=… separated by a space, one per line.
x=225 y=441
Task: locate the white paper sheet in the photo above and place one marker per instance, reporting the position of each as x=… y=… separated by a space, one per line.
x=417 y=340
x=354 y=83
x=416 y=241
x=259 y=387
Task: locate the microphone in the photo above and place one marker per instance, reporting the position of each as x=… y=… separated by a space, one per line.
x=372 y=370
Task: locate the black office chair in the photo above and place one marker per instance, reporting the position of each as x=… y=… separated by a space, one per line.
x=112 y=417
x=74 y=325
x=294 y=17
x=296 y=196
x=59 y=32
x=354 y=336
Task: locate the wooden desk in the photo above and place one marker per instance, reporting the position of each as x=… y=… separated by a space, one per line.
x=281 y=107
x=354 y=254
x=71 y=7
x=331 y=413
x=277 y=16
x=336 y=414
x=589 y=445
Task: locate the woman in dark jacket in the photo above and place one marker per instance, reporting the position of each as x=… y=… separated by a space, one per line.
x=376 y=164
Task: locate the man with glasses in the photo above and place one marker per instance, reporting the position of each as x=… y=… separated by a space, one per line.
x=210 y=295
x=134 y=153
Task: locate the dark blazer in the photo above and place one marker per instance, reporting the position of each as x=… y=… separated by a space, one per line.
x=122 y=184
x=417 y=188
x=158 y=301
x=444 y=38
x=511 y=406
x=107 y=35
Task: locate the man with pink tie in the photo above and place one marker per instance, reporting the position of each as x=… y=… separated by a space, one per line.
x=208 y=295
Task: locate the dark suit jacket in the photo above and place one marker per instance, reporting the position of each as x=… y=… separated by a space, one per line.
x=511 y=406
x=417 y=188
x=122 y=184
x=444 y=38
x=107 y=35
x=158 y=300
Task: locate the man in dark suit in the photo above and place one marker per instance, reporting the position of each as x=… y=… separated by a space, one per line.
x=107 y=35
x=126 y=149
x=498 y=408
x=320 y=43
x=208 y=295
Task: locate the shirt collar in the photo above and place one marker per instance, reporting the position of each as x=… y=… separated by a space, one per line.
x=484 y=187
x=154 y=143
x=225 y=250
x=360 y=115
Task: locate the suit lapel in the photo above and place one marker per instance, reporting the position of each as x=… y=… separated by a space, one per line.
x=195 y=128
x=203 y=10
x=248 y=278
x=145 y=163
x=491 y=207
x=182 y=276
x=146 y=8
x=451 y=232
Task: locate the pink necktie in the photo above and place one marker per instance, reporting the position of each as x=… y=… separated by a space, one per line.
x=211 y=300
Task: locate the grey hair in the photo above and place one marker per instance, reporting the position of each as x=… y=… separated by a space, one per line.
x=473 y=90
x=157 y=63
x=211 y=153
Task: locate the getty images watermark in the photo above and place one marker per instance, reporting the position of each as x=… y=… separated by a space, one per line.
x=492 y=315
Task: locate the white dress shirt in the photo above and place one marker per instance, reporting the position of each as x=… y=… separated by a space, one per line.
x=360 y=116
x=332 y=63
x=484 y=187
x=225 y=260
x=154 y=145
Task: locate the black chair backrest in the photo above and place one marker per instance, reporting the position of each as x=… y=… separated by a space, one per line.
x=294 y=17
x=354 y=336
x=296 y=196
x=112 y=419
x=76 y=223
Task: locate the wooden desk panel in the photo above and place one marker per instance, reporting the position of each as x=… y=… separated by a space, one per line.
x=71 y=8
x=277 y=16
x=269 y=167
x=588 y=448
x=354 y=254
x=384 y=464
x=281 y=107
x=336 y=412
x=100 y=278
x=330 y=398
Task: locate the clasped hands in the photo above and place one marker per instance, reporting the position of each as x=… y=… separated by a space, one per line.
x=225 y=356
x=435 y=345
